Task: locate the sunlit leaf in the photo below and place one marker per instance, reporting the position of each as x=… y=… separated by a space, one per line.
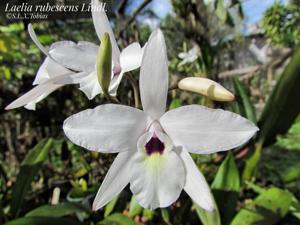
x=221 y=10
x=42 y=221
x=134 y=207
x=251 y=163
x=268 y=208
x=295 y=208
x=226 y=187
x=292 y=139
x=165 y=215
x=110 y=206
x=242 y=97
x=60 y=210
x=175 y=103
x=29 y=168
x=39 y=153
x=208 y=218
x=117 y=219
x=148 y=214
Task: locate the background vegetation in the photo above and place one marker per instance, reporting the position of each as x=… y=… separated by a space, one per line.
x=45 y=179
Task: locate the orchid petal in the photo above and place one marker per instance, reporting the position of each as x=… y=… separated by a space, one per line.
x=36 y=40
x=32 y=105
x=102 y=26
x=131 y=57
x=195 y=184
x=203 y=130
x=48 y=70
x=106 y=128
x=74 y=78
x=114 y=84
x=79 y=57
x=33 y=96
x=152 y=181
x=115 y=180
x=154 y=76
x=90 y=85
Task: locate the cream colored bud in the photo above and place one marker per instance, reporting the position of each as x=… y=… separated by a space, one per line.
x=206 y=87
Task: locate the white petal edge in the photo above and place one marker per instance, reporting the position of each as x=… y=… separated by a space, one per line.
x=131 y=57
x=154 y=76
x=33 y=96
x=195 y=185
x=102 y=25
x=106 y=128
x=203 y=130
x=115 y=180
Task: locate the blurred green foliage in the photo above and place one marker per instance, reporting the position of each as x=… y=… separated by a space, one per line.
x=281 y=24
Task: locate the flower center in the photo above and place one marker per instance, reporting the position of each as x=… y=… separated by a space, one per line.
x=154 y=145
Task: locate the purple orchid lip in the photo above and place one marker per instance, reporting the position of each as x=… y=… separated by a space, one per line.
x=154 y=145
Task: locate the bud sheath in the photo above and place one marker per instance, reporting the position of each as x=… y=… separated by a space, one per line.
x=104 y=63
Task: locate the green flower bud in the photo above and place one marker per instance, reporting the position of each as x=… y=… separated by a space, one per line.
x=104 y=63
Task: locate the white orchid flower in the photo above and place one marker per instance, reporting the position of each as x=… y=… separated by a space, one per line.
x=71 y=63
x=153 y=145
x=190 y=56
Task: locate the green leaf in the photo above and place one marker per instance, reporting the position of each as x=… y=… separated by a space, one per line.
x=29 y=168
x=110 y=206
x=268 y=208
x=175 y=103
x=42 y=221
x=282 y=107
x=243 y=100
x=39 y=153
x=251 y=163
x=148 y=214
x=254 y=187
x=60 y=210
x=208 y=218
x=117 y=219
x=165 y=215
x=292 y=139
x=226 y=188
x=227 y=177
x=295 y=208
x=134 y=208
x=221 y=11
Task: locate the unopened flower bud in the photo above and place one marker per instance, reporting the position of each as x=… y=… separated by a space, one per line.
x=104 y=63
x=206 y=87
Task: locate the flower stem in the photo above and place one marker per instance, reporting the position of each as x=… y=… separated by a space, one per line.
x=136 y=92
x=173 y=87
x=111 y=98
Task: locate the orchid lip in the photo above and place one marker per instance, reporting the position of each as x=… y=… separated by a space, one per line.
x=154 y=145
